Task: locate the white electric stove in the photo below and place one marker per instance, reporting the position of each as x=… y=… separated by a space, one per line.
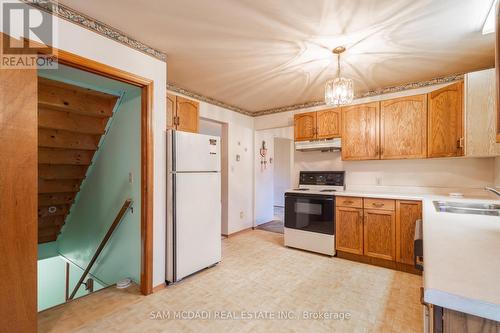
x=310 y=211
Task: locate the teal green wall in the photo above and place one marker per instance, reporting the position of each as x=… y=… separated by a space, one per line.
x=52 y=282
x=106 y=187
x=47 y=250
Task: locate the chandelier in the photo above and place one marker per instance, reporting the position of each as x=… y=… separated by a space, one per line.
x=339 y=91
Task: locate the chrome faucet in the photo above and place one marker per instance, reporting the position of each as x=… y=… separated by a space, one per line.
x=492 y=190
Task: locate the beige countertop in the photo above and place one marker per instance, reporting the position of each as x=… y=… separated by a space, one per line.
x=461 y=253
x=462 y=259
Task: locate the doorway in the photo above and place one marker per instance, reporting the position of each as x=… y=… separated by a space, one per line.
x=273 y=176
x=89 y=160
x=282 y=175
x=19 y=194
x=215 y=128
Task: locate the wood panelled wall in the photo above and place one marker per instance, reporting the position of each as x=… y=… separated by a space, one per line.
x=18 y=223
x=71 y=121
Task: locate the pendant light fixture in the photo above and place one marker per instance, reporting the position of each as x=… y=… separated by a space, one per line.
x=339 y=91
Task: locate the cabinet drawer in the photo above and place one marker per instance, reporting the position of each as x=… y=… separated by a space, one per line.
x=385 y=204
x=349 y=202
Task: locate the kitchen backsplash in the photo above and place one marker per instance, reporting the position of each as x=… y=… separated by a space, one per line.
x=442 y=175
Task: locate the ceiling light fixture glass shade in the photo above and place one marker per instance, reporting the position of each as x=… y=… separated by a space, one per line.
x=339 y=91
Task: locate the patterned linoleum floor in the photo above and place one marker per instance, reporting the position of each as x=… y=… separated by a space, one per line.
x=288 y=290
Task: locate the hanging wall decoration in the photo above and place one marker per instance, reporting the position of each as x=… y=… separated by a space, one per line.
x=263 y=159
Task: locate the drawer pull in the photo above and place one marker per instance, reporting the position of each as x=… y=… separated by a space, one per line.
x=348 y=202
x=378 y=204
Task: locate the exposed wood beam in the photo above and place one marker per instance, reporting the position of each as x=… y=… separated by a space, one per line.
x=53 y=138
x=75 y=99
x=47 y=171
x=50 y=221
x=66 y=156
x=53 y=119
x=46 y=199
x=58 y=186
x=60 y=210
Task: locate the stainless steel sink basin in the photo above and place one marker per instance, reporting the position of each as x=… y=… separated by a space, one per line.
x=467 y=208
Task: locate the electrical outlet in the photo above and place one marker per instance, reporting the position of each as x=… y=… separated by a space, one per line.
x=242 y=214
x=378 y=180
x=130 y=178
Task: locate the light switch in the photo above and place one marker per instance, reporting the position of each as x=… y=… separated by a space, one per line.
x=130 y=178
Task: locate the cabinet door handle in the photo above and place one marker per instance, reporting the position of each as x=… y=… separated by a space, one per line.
x=361 y=215
x=378 y=204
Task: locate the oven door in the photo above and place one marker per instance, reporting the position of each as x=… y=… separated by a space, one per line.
x=310 y=212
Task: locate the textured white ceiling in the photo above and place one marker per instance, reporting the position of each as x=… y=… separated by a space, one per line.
x=263 y=54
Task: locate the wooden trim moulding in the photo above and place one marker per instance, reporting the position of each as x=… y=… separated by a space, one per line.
x=239 y=232
x=147 y=171
x=160 y=287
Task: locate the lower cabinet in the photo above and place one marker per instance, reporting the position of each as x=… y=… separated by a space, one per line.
x=377 y=231
x=407 y=213
x=349 y=233
x=380 y=234
x=450 y=321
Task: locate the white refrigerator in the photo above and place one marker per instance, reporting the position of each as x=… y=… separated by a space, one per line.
x=193 y=203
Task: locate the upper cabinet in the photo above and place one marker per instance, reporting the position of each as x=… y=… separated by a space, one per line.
x=480 y=114
x=360 y=132
x=187 y=115
x=170 y=111
x=420 y=126
x=328 y=124
x=317 y=125
x=182 y=114
x=403 y=127
x=305 y=126
x=446 y=124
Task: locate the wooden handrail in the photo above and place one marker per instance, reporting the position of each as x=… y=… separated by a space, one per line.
x=118 y=218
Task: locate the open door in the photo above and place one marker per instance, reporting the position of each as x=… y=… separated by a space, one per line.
x=18 y=200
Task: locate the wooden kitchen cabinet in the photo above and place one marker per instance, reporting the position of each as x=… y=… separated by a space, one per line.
x=377 y=231
x=187 y=115
x=407 y=213
x=171 y=111
x=182 y=114
x=305 y=126
x=349 y=229
x=328 y=124
x=403 y=127
x=445 y=121
x=360 y=132
x=379 y=234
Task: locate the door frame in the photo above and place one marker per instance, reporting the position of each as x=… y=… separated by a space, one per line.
x=147 y=86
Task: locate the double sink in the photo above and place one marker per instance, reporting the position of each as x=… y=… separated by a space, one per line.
x=467 y=208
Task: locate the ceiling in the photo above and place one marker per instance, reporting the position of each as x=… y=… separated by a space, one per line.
x=264 y=54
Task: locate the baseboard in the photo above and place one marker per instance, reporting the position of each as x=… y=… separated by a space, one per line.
x=239 y=232
x=379 y=262
x=160 y=287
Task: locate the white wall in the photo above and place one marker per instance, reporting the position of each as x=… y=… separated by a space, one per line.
x=240 y=173
x=283 y=169
x=264 y=178
x=422 y=175
x=210 y=127
x=85 y=43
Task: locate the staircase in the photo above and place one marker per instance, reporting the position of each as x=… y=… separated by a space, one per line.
x=71 y=122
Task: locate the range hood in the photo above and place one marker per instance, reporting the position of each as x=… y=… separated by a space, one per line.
x=322 y=145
